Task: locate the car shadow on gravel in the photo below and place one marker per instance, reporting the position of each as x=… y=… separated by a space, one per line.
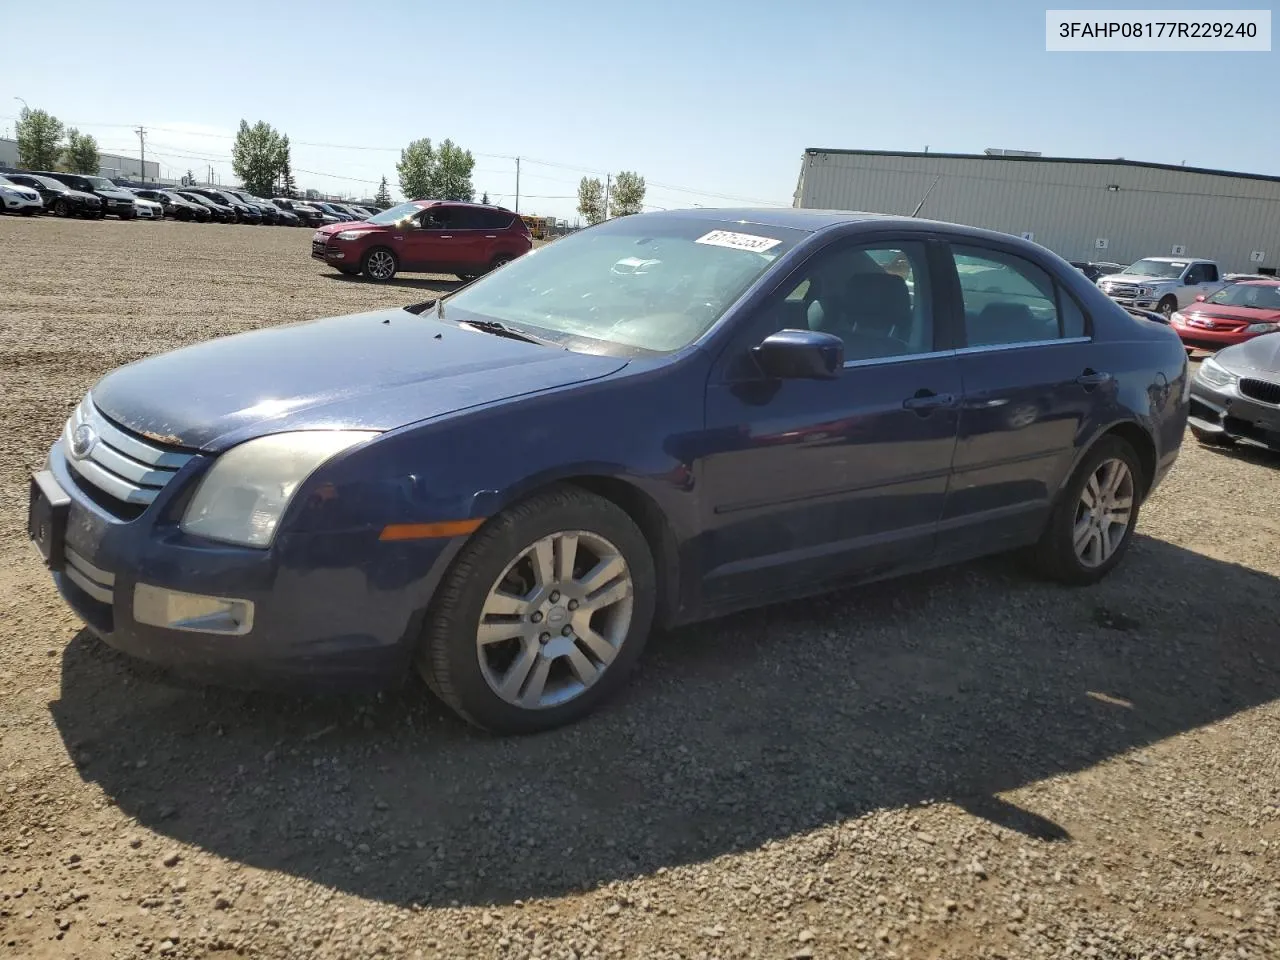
x=435 y=284
x=951 y=686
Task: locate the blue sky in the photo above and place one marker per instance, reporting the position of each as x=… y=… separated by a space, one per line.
x=712 y=101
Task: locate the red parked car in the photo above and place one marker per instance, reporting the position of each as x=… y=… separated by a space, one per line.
x=1238 y=312
x=425 y=236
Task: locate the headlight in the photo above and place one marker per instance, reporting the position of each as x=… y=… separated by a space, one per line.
x=1144 y=291
x=1212 y=372
x=1262 y=328
x=242 y=498
x=351 y=234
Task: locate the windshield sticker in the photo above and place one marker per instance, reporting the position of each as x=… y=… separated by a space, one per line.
x=737 y=241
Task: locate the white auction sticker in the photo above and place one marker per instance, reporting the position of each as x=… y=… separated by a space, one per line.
x=738 y=241
x=1169 y=31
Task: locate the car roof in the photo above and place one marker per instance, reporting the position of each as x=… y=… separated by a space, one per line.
x=1174 y=259
x=1260 y=282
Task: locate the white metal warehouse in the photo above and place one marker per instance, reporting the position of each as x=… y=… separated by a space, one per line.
x=1115 y=210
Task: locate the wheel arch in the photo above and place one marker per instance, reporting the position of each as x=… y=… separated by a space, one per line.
x=643 y=509
x=1137 y=437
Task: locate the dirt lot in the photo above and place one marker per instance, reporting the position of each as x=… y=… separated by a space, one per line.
x=964 y=764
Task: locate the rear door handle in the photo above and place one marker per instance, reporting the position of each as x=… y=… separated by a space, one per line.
x=491 y=236
x=1092 y=378
x=446 y=236
x=926 y=400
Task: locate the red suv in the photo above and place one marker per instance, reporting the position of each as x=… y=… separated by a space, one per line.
x=425 y=236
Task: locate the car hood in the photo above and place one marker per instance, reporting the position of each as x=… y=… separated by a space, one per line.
x=378 y=370
x=76 y=194
x=1222 y=311
x=1261 y=355
x=331 y=228
x=116 y=194
x=1136 y=279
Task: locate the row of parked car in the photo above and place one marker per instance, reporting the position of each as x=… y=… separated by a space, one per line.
x=78 y=195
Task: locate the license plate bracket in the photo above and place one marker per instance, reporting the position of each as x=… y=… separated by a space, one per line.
x=47 y=511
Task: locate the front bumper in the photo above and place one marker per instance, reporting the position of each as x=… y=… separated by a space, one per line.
x=332 y=610
x=1225 y=412
x=1207 y=339
x=17 y=204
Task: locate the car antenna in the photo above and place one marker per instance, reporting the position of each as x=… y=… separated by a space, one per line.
x=916 y=211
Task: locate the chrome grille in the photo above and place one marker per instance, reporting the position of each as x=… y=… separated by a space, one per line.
x=122 y=466
x=1120 y=290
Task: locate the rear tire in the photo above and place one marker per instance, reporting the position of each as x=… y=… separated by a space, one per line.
x=501 y=260
x=379 y=265
x=1085 y=538
x=494 y=584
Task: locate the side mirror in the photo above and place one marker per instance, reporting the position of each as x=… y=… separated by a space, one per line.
x=1200 y=297
x=800 y=355
x=1190 y=282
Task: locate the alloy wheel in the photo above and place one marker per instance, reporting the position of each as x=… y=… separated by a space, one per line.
x=555 y=619
x=380 y=265
x=1103 y=513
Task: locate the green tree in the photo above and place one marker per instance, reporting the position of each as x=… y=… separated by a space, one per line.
x=287 y=184
x=80 y=155
x=452 y=176
x=485 y=197
x=190 y=179
x=591 y=199
x=39 y=139
x=627 y=196
x=259 y=156
x=383 y=197
x=416 y=170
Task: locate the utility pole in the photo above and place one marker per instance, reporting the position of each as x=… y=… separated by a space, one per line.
x=142 y=143
x=517 y=184
x=608 y=181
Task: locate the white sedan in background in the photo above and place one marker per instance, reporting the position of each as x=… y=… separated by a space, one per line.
x=15 y=198
x=147 y=209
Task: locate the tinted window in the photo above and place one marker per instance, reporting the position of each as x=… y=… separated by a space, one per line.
x=467 y=218
x=495 y=219
x=438 y=218
x=875 y=297
x=1008 y=299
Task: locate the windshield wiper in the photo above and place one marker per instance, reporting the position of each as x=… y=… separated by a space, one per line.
x=502 y=330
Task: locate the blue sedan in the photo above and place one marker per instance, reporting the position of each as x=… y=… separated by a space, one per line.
x=660 y=419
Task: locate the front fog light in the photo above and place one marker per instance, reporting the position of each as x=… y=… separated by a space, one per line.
x=175 y=610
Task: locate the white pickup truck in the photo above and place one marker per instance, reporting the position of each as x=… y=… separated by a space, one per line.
x=1163 y=284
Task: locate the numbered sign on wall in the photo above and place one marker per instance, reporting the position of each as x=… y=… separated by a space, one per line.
x=1100 y=243
x=1179 y=250
x=1257 y=256
x=1028 y=235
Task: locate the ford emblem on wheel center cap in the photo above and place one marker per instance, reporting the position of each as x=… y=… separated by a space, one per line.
x=83 y=439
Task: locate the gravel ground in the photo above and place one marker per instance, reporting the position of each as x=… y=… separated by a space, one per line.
x=963 y=764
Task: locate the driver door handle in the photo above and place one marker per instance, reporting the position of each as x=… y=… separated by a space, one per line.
x=925 y=401
x=446 y=236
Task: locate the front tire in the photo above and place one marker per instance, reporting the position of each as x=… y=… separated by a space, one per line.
x=379 y=265
x=61 y=208
x=1167 y=306
x=1092 y=524
x=543 y=614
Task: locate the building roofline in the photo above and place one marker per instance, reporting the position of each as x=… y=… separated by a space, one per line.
x=1145 y=165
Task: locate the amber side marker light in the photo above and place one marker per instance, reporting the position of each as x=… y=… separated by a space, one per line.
x=429 y=531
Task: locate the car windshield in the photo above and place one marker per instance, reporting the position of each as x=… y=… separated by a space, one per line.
x=1163 y=269
x=396 y=214
x=101 y=183
x=652 y=282
x=1260 y=296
